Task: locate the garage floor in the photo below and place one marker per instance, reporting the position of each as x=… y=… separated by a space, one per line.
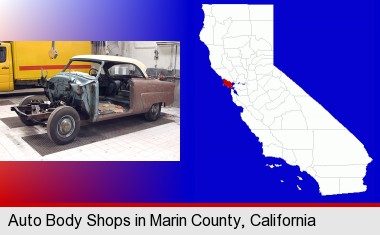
x=124 y=139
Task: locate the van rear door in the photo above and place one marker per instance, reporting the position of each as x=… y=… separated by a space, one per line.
x=6 y=76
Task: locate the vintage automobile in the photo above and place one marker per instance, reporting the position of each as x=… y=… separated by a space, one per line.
x=101 y=94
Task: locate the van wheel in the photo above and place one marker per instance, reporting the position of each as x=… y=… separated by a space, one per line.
x=154 y=112
x=27 y=100
x=63 y=125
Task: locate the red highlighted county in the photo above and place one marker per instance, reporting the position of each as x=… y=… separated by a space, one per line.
x=227 y=83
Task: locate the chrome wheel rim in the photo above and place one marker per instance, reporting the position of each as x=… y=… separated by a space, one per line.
x=155 y=108
x=66 y=126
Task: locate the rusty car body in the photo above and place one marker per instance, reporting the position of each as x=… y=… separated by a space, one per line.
x=101 y=94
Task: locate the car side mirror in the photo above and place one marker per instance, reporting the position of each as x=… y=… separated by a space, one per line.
x=42 y=81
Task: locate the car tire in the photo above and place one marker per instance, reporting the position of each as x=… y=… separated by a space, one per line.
x=63 y=125
x=26 y=101
x=154 y=112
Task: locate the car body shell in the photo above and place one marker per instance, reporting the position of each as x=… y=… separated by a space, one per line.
x=81 y=90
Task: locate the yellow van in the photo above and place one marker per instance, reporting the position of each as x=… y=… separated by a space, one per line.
x=21 y=61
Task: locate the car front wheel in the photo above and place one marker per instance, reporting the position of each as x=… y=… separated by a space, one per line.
x=63 y=125
x=27 y=100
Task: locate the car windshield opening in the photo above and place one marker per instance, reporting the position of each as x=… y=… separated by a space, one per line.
x=87 y=66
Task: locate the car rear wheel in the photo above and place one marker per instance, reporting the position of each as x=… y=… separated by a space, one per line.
x=63 y=125
x=154 y=112
x=27 y=100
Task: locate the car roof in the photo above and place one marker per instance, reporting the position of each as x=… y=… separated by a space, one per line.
x=114 y=59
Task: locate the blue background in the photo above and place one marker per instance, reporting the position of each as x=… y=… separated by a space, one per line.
x=327 y=47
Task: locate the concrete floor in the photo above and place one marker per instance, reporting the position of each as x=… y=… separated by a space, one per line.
x=157 y=143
